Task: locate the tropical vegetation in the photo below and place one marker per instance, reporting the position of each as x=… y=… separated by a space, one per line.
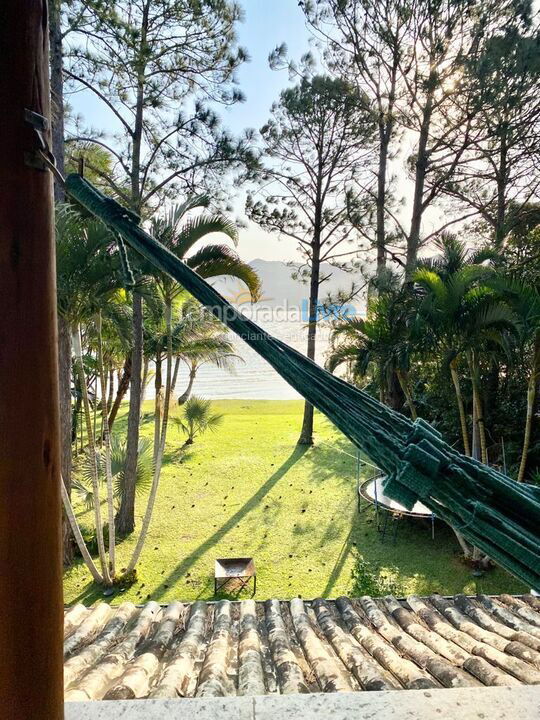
x=404 y=151
x=247 y=489
x=463 y=327
x=91 y=280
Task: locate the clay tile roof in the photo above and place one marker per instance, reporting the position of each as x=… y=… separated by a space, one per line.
x=255 y=648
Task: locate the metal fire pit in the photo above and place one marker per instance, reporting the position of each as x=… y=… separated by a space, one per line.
x=241 y=569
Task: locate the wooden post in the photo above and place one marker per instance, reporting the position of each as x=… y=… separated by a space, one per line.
x=30 y=519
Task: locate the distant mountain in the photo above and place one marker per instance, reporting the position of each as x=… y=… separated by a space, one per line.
x=280 y=289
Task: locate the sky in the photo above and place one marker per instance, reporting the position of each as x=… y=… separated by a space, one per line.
x=267 y=23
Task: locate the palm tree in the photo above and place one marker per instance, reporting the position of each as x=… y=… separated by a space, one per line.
x=197 y=338
x=116 y=333
x=108 y=564
x=382 y=343
x=462 y=313
x=205 y=343
x=525 y=302
x=79 y=369
x=117 y=466
x=102 y=465
x=213 y=349
x=87 y=288
x=197 y=417
x=180 y=235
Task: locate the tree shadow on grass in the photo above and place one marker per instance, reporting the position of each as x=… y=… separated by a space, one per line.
x=92 y=592
x=188 y=562
x=340 y=562
x=414 y=561
x=179 y=456
x=336 y=457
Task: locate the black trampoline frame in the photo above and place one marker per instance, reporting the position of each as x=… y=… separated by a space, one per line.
x=389 y=512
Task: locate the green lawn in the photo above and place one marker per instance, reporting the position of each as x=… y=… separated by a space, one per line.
x=247 y=490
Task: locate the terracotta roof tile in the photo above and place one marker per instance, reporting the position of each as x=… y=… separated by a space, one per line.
x=253 y=648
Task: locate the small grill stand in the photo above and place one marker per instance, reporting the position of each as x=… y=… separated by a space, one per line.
x=241 y=569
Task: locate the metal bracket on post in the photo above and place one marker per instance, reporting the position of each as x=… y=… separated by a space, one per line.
x=41 y=158
x=40 y=125
x=40 y=122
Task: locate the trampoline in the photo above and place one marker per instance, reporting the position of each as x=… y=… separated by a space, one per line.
x=372 y=492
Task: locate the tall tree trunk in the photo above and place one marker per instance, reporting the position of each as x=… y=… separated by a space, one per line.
x=394 y=393
x=146 y=363
x=382 y=384
x=306 y=434
x=168 y=380
x=461 y=407
x=531 y=397
x=70 y=514
x=64 y=333
x=478 y=409
x=157 y=469
x=76 y=410
x=403 y=377
x=158 y=405
x=107 y=444
x=79 y=366
x=136 y=190
x=475 y=432
x=94 y=408
x=175 y=376
x=66 y=423
x=123 y=387
x=467 y=551
x=502 y=180
x=111 y=387
x=491 y=392
x=187 y=392
x=380 y=234
x=421 y=165
x=386 y=124
x=125 y=518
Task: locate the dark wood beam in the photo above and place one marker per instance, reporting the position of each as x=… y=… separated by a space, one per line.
x=31 y=613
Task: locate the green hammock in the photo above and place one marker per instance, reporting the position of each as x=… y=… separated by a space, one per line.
x=493 y=512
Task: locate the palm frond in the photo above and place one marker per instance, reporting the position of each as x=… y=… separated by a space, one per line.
x=145 y=465
x=354 y=327
x=431 y=282
x=177 y=212
x=215 y=260
x=144 y=473
x=197 y=417
x=85 y=494
x=197 y=228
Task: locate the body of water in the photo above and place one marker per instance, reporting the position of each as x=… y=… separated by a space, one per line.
x=253 y=378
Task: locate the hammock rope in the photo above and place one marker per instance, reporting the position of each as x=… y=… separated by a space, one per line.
x=493 y=512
